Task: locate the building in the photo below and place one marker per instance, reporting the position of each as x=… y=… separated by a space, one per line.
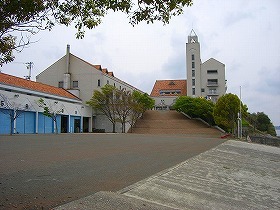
x=81 y=78
x=165 y=92
x=204 y=79
x=19 y=100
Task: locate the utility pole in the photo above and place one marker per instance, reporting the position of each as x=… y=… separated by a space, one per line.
x=29 y=67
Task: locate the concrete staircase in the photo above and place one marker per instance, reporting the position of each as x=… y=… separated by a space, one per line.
x=172 y=122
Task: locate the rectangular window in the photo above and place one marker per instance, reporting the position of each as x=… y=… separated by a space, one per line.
x=193 y=65
x=98 y=83
x=193 y=57
x=202 y=90
x=193 y=73
x=75 y=84
x=193 y=91
x=212 y=81
x=193 y=82
x=60 y=84
x=107 y=82
x=212 y=71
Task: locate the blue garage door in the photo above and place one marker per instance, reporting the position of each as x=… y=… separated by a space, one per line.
x=25 y=123
x=5 y=121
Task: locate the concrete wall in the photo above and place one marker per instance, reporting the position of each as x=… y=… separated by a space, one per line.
x=213 y=91
x=164 y=100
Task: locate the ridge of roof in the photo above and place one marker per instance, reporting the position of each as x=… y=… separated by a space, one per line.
x=35 y=86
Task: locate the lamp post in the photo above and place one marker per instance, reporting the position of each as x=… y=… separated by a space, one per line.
x=240 y=115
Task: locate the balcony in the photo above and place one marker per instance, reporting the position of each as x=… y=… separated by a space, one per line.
x=212 y=82
x=212 y=93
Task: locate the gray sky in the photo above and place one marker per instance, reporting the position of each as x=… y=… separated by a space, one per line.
x=244 y=35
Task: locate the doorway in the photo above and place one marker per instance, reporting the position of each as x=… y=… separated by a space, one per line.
x=64 y=124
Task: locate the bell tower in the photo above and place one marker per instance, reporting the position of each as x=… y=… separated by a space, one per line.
x=193 y=64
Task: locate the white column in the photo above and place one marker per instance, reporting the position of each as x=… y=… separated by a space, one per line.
x=69 y=123
x=37 y=122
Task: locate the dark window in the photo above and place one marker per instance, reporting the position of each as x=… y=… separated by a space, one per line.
x=202 y=90
x=193 y=82
x=193 y=73
x=193 y=57
x=114 y=85
x=212 y=81
x=98 y=83
x=212 y=71
x=60 y=84
x=193 y=65
x=193 y=91
x=75 y=84
x=107 y=82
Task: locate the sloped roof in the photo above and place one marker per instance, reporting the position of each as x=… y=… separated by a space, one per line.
x=35 y=86
x=166 y=85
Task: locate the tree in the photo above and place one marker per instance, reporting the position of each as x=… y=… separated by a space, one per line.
x=104 y=101
x=226 y=111
x=263 y=123
x=51 y=110
x=139 y=104
x=12 y=109
x=29 y=17
x=195 y=108
x=123 y=106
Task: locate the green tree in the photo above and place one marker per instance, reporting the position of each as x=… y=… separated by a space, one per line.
x=51 y=110
x=226 y=111
x=195 y=108
x=105 y=101
x=264 y=123
x=30 y=16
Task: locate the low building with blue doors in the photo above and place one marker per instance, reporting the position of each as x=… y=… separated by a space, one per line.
x=20 y=111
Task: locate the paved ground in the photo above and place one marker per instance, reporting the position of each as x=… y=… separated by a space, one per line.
x=234 y=175
x=44 y=171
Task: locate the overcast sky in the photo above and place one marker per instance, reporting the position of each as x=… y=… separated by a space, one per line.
x=244 y=35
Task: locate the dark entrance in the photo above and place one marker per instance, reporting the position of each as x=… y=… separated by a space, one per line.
x=77 y=125
x=86 y=124
x=64 y=124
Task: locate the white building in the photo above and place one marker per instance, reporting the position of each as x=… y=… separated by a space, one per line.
x=81 y=78
x=203 y=79
x=20 y=96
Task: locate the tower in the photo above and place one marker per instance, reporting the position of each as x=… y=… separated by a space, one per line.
x=205 y=79
x=193 y=65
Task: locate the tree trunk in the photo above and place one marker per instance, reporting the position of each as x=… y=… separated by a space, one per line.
x=114 y=127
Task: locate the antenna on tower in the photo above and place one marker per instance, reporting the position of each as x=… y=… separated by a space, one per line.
x=29 y=67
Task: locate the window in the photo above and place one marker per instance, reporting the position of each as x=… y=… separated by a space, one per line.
x=60 y=84
x=193 y=82
x=192 y=57
x=193 y=65
x=193 y=91
x=212 y=71
x=202 y=90
x=98 y=83
x=114 y=84
x=108 y=82
x=213 y=91
x=212 y=81
x=75 y=84
x=193 y=73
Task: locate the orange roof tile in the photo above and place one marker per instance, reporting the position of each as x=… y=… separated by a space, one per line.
x=172 y=85
x=35 y=86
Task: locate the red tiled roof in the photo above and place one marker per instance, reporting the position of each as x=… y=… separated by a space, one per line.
x=166 y=85
x=35 y=86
